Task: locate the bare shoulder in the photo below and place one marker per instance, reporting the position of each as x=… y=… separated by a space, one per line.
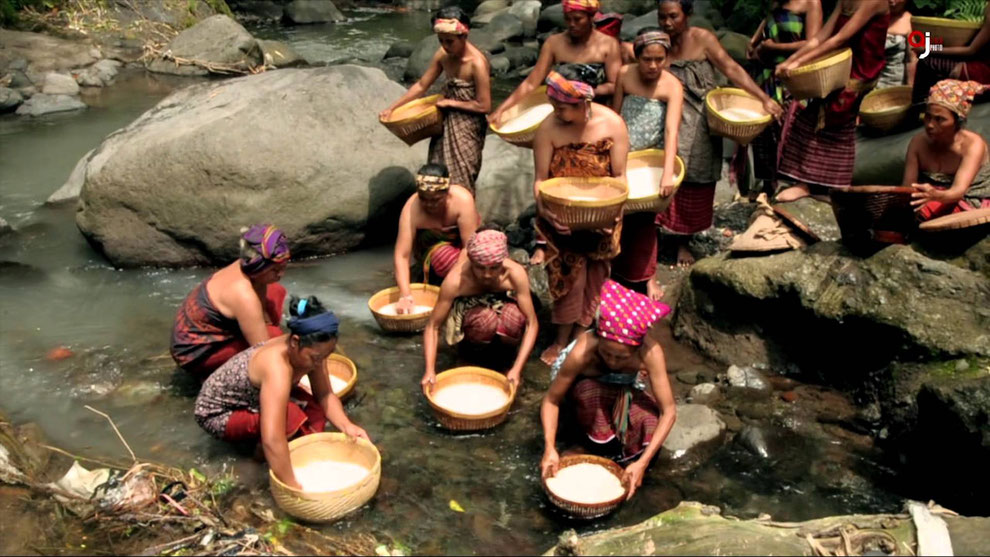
x=668 y=79
x=702 y=35
x=517 y=274
x=607 y=113
x=974 y=142
x=461 y=194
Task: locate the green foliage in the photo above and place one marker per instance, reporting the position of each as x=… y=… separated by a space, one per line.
x=963 y=10
x=742 y=16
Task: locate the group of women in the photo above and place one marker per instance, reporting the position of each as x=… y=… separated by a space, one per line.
x=614 y=374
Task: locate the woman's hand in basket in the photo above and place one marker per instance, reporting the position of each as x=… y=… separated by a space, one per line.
x=550 y=463
x=405 y=305
x=632 y=477
x=667 y=186
x=550 y=217
x=773 y=108
x=785 y=68
x=385 y=114
x=355 y=431
x=428 y=381
x=924 y=194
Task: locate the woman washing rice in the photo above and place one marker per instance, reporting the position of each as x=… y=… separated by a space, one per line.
x=255 y=395
x=618 y=382
x=948 y=166
x=650 y=101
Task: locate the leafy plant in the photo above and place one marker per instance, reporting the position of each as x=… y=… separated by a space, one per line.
x=964 y=10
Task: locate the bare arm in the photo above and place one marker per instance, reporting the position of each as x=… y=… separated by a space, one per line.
x=978 y=42
x=672 y=126
x=482 y=103
x=812 y=25
x=403 y=249
x=814 y=41
x=620 y=149
x=249 y=314
x=520 y=283
x=656 y=367
x=431 y=335
x=432 y=73
x=333 y=409
x=866 y=10
x=576 y=361
x=758 y=35
x=532 y=81
x=468 y=221
x=274 y=399
x=911 y=162
x=736 y=74
x=620 y=92
x=613 y=63
x=968 y=169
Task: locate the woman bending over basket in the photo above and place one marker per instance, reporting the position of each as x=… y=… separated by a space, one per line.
x=236 y=307
x=948 y=166
x=820 y=147
x=694 y=56
x=467 y=97
x=255 y=395
x=618 y=383
x=650 y=101
x=582 y=139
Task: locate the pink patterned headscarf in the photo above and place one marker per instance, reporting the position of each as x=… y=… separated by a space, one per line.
x=626 y=316
x=269 y=246
x=955 y=95
x=488 y=247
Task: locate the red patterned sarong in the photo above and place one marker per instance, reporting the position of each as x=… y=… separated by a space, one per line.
x=595 y=402
x=483 y=323
x=691 y=211
x=303 y=416
x=637 y=260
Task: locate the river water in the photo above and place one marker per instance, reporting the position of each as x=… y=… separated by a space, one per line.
x=57 y=291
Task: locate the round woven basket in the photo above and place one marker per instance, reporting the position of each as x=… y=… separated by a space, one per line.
x=471 y=422
x=337 y=366
x=742 y=132
x=423 y=295
x=952 y=32
x=330 y=505
x=819 y=78
x=885 y=109
x=522 y=138
x=585 y=510
x=871 y=216
x=585 y=203
x=652 y=203
x=416 y=120
x=957 y=221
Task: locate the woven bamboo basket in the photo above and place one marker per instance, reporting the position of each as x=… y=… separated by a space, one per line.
x=652 y=203
x=330 y=505
x=957 y=221
x=885 y=109
x=423 y=295
x=416 y=120
x=742 y=132
x=337 y=366
x=819 y=78
x=522 y=138
x=585 y=203
x=870 y=216
x=585 y=510
x=952 y=31
x=471 y=422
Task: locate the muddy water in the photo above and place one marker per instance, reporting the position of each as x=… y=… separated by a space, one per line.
x=56 y=291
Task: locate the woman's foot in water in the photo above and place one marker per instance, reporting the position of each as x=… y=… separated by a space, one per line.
x=549 y=356
x=793 y=193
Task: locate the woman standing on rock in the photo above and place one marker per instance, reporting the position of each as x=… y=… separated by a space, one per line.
x=467 y=97
x=784 y=31
x=694 y=56
x=618 y=382
x=236 y=307
x=650 y=101
x=582 y=139
x=820 y=148
x=248 y=398
x=952 y=164
x=591 y=53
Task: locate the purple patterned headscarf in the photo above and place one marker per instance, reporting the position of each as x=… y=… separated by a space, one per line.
x=269 y=244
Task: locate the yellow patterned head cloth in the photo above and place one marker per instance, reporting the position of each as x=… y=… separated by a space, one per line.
x=590 y=6
x=428 y=184
x=452 y=26
x=955 y=95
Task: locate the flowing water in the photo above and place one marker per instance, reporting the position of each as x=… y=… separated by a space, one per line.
x=55 y=290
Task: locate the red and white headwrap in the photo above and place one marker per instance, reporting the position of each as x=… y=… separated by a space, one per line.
x=590 y=6
x=626 y=316
x=564 y=90
x=955 y=95
x=450 y=26
x=488 y=248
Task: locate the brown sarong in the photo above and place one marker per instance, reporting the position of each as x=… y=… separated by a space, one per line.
x=463 y=138
x=578 y=264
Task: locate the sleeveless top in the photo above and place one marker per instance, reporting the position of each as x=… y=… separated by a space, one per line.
x=645 y=119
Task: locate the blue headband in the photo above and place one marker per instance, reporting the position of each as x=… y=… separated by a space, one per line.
x=320 y=323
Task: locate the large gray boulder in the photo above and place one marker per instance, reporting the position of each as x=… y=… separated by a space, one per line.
x=487 y=17
x=421 y=56
x=313 y=11
x=504 y=27
x=528 y=12
x=99 y=74
x=73 y=185
x=10 y=99
x=41 y=104
x=487 y=41
x=36 y=54
x=215 y=40
x=696 y=424
x=628 y=7
x=632 y=26
x=505 y=185
x=285 y=147
x=832 y=314
x=489 y=6
x=551 y=18
x=59 y=84
x=258 y=9
x=880 y=159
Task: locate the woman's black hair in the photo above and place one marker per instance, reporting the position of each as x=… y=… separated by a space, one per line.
x=638 y=49
x=451 y=12
x=434 y=169
x=687 y=6
x=310 y=306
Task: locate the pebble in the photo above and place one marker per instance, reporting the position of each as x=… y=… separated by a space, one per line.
x=962 y=365
x=789 y=396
